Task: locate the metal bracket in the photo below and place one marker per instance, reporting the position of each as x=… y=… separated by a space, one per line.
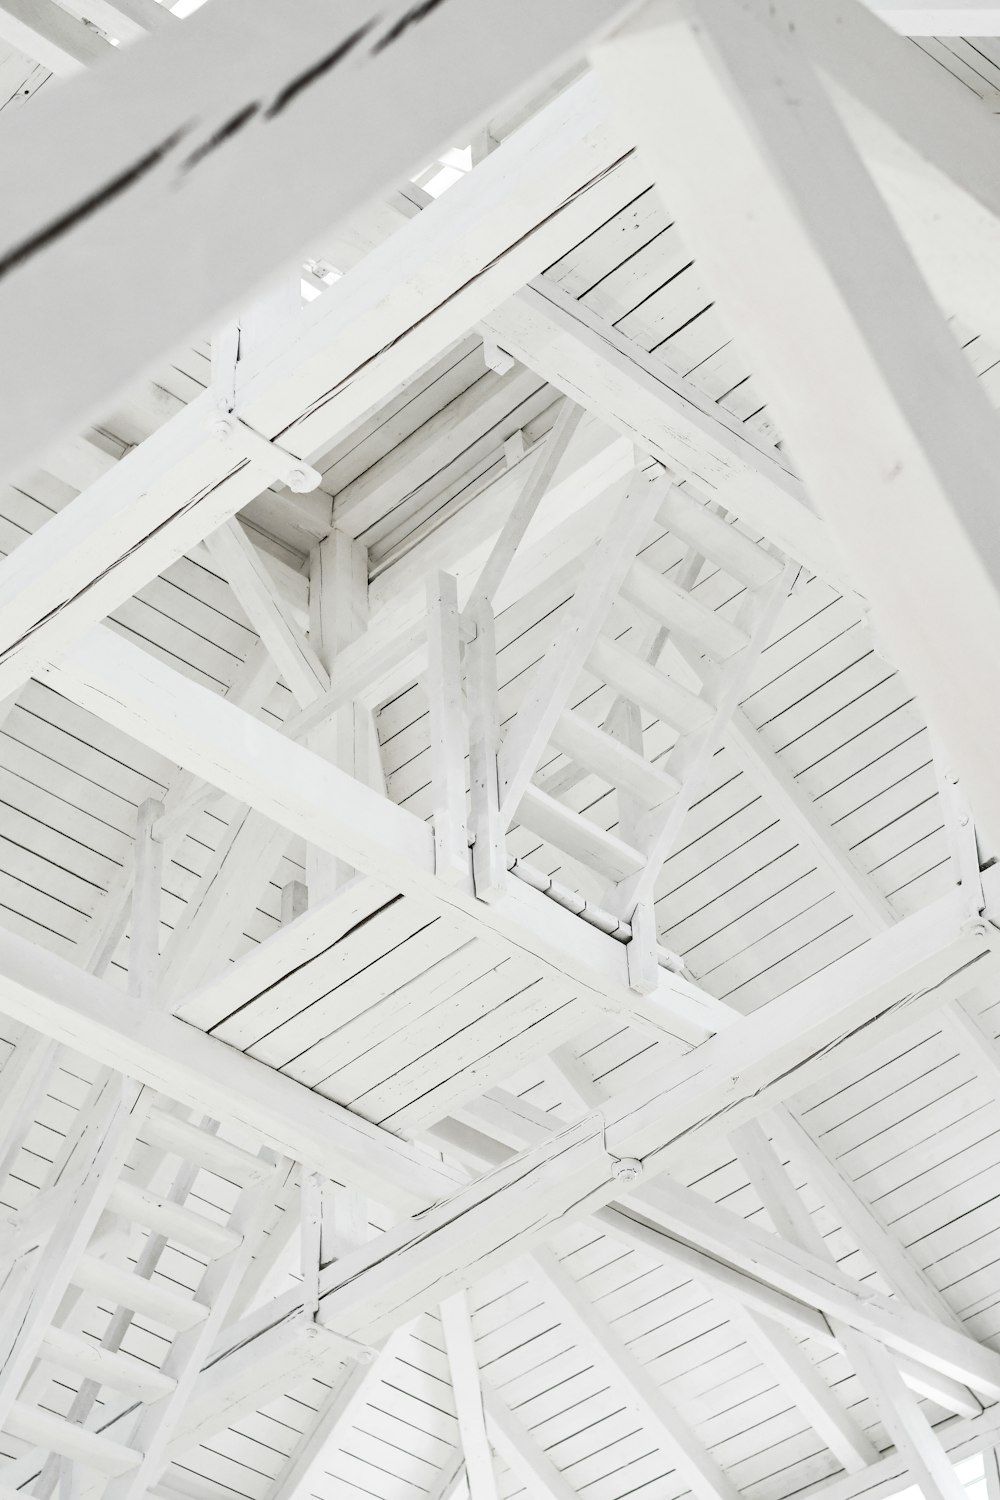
x=963 y=845
x=340 y=1343
x=280 y=465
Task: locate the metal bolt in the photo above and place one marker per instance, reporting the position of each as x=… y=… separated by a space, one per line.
x=221 y=428
x=298 y=482
x=626 y=1170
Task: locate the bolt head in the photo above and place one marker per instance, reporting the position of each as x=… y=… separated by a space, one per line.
x=221 y=428
x=627 y=1170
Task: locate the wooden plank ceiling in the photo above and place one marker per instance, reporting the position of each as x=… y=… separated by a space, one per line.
x=651 y=1145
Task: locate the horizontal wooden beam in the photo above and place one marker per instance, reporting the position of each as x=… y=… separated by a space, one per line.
x=188 y=163
x=42 y=30
x=892 y=432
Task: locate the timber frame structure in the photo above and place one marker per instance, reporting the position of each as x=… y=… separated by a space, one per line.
x=499 y=607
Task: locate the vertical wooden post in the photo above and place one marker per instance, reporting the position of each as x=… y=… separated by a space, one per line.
x=338 y=615
x=489 y=849
x=447 y=728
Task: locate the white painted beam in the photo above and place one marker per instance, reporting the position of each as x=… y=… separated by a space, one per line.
x=892 y=433
x=467 y=1389
x=41 y=29
x=189 y=165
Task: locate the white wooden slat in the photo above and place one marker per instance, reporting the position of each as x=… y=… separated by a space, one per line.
x=722 y=543
x=90 y=1361
x=291 y=949
x=49 y=1431
x=140 y=1206
x=167 y=169
x=616 y=763
x=678 y=609
x=635 y=679
x=580 y=838
x=151 y=1299
x=895 y=407
x=169 y=1132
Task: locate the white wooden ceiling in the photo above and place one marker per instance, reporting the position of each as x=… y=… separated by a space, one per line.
x=802 y=1292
